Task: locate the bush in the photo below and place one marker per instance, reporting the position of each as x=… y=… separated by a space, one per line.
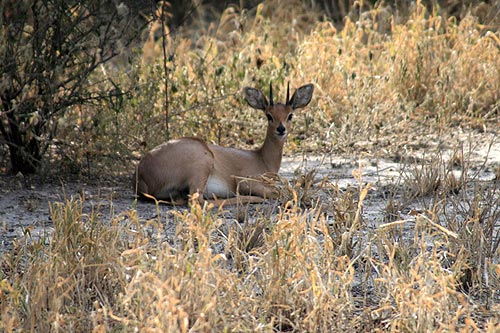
x=49 y=50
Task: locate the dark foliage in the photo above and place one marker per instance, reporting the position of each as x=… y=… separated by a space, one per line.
x=49 y=49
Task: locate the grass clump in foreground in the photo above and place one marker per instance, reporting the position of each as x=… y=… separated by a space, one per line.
x=290 y=268
x=117 y=276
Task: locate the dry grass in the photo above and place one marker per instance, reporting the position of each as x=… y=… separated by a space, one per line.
x=380 y=83
x=282 y=269
x=313 y=261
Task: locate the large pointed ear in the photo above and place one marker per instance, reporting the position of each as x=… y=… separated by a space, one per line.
x=255 y=98
x=302 y=96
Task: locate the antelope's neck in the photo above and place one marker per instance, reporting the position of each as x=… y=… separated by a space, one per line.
x=271 y=153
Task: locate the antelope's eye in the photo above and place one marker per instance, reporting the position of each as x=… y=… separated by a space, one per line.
x=269 y=117
x=290 y=116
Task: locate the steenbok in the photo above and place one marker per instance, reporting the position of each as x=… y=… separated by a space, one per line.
x=190 y=166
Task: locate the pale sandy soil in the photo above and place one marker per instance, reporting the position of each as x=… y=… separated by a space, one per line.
x=24 y=202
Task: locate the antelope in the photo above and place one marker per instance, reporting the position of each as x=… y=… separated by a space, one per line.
x=190 y=166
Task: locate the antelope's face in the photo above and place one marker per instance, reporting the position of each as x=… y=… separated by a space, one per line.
x=279 y=118
x=279 y=115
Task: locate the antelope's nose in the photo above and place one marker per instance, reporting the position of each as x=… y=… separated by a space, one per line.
x=281 y=130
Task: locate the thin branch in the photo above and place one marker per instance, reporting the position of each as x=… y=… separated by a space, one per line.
x=165 y=69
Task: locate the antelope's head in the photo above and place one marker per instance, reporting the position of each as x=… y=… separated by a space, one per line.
x=279 y=115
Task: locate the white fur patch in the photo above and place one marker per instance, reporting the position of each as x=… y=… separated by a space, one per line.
x=218 y=187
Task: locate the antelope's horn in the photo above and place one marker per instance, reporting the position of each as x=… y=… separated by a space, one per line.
x=288 y=93
x=271 y=102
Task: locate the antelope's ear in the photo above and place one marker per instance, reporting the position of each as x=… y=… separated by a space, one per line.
x=302 y=96
x=255 y=98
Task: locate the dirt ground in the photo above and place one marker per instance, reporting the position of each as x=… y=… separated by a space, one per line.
x=25 y=201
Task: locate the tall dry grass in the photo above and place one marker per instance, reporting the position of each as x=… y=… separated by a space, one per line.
x=291 y=269
x=381 y=81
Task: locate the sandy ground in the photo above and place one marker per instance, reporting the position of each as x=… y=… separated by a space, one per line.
x=25 y=201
